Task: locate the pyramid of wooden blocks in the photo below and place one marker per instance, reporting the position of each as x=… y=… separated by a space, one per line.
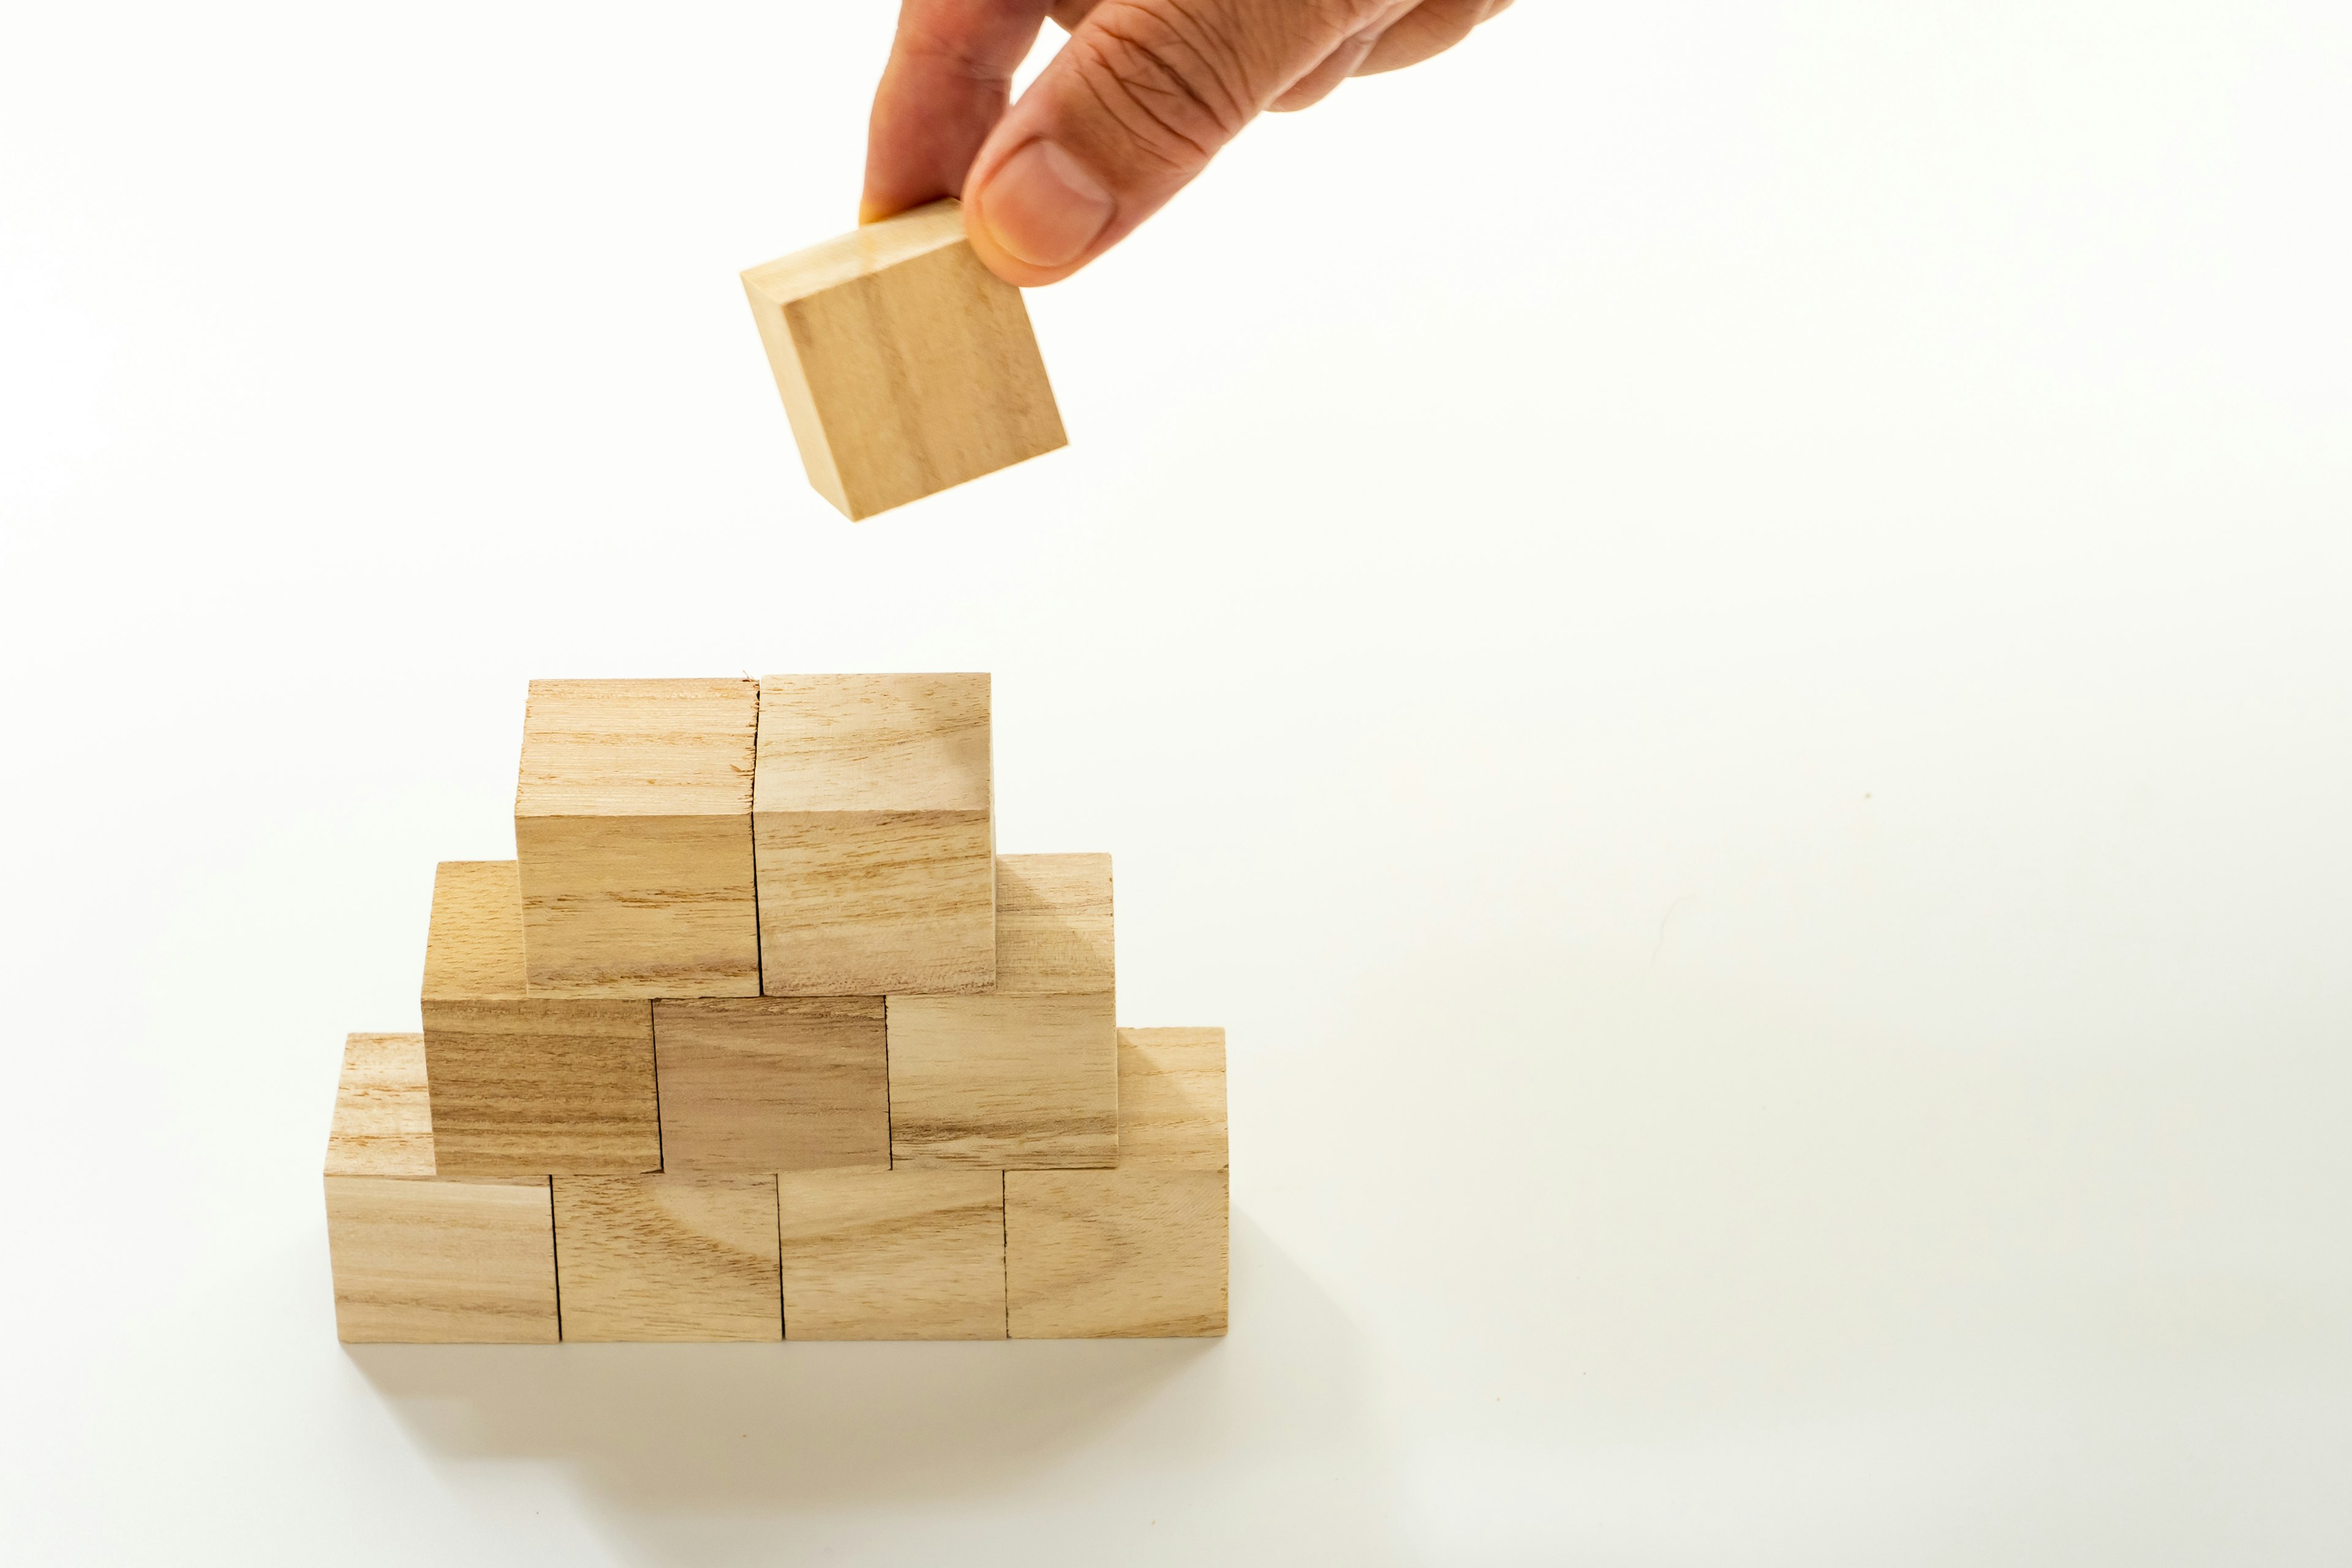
x=906 y=366
x=759 y=1039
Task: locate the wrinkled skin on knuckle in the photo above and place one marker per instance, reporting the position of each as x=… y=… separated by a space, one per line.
x=1430 y=28
x=1173 y=82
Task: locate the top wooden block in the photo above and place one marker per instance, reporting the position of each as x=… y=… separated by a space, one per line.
x=876 y=834
x=633 y=826
x=638 y=748
x=906 y=366
x=874 y=743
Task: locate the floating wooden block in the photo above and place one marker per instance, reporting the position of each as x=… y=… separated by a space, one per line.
x=418 y=1260
x=523 y=1085
x=633 y=827
x=664 y=1257
x=1140 y=1251
x=906 y=366
x=1026 y=1076
x=893 y=1255
x=764 y=1084
x=877 y=839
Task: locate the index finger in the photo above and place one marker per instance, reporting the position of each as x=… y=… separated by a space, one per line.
x=947 y=85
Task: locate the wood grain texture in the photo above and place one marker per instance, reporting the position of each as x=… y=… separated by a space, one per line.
x=1123 y=1254
x=873 y=816
x=521 y=1085
x=1171 y=1100
x=419 y=1261
x=761 y=1084
x=383 y=1112
x=1026 y=1075
x=1052 y=925
x=904 y=366
x=993 y=1082
x=894 y=1255
x=665 y=1257
x=633 y=829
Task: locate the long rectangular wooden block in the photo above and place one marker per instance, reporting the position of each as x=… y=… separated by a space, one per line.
x=633 y=826
x=893 y=1255
x=667 y=1257
x=761 y=1084
x=904 y=366
x=876 y=832
x=1026 y=1076
x=522 y=1085
x=419 y=1260
x=1140 y=1251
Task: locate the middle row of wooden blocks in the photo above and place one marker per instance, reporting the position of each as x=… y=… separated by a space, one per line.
x=796 y=835
x=1022 y=1076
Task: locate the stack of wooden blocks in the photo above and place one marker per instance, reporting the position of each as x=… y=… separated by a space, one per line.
x=757 y=1037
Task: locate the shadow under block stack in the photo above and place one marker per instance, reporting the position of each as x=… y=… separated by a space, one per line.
x=928 y=1127
x=904 y=366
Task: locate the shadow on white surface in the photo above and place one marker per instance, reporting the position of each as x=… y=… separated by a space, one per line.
x=689 y=1451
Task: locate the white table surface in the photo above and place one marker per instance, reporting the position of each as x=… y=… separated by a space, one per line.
x=1721 y=637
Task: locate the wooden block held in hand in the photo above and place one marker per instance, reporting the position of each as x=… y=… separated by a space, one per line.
x=904 y=366
x=893 y=1255
x=521 y=1085
x=666 y=1257
x=760 y=1084
x=1025 y=1076
x=417 y=1259
x=632 y=825
x=1140 y=1251
x=876 y=832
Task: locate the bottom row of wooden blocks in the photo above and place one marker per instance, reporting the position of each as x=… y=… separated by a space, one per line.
x=1138 y=1250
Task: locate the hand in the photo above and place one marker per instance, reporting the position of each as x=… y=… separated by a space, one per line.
x=1136 y=103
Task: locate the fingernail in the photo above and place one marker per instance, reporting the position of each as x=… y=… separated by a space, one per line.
x=1043 y=206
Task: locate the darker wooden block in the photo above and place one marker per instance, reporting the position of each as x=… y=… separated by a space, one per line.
x=523 y=1085
x=764 y=1084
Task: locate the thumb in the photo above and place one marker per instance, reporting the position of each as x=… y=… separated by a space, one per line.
x=1135 y=104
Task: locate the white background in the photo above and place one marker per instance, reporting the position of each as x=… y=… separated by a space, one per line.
x=1717 y=633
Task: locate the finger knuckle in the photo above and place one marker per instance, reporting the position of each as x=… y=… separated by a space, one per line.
x=1175 y=84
